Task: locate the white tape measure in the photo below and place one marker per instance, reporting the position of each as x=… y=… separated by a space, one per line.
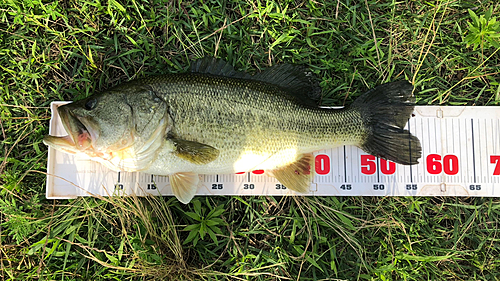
x=460 y=157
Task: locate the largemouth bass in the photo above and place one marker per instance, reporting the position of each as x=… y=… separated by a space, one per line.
x=216 y=120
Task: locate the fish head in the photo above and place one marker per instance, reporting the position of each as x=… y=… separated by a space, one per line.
x=120 y=123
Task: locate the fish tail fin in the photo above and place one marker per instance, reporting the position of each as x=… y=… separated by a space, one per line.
x=385 y=111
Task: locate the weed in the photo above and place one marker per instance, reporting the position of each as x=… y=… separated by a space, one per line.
x=204 y=223
x=484 y=31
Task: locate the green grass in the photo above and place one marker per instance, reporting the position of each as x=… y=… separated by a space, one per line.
x=68 y=50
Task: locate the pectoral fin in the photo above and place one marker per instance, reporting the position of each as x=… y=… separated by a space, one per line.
x=184 y=186
x=194 y=152
x=298 y=175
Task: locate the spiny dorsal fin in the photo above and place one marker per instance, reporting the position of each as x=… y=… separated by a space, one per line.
x=217 y=67
x=296 y=80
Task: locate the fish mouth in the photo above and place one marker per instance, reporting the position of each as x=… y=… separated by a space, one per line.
x=80 y=132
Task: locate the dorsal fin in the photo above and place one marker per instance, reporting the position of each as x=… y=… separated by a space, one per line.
x=217 y=67
x=296 y=80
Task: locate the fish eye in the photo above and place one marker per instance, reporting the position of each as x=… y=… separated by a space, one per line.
x=90 y=104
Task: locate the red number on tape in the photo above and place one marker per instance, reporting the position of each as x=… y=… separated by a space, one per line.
x=495 y=159
x=434 y=167
x=258 y=172
x=368 y=164
x=449 y=165
x=387 y=167
x=322 y=164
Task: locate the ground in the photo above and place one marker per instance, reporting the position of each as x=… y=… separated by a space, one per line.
x=66 y=50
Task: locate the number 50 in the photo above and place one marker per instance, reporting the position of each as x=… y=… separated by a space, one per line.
x=369 y=165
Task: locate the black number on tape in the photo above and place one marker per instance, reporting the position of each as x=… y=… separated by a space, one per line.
x=280 y=186
x=475 y=187
x=217 y=186
x=411 y=187
x=248 y=186
x=346 y=187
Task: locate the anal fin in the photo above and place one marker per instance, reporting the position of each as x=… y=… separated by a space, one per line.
x=184 y=186
x=298 y=175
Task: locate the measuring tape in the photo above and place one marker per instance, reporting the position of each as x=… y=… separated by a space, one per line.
x=460 y=157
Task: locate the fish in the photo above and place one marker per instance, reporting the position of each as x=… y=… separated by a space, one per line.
x=214 y=119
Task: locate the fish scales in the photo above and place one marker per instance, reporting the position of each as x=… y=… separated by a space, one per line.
x=242 y=116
